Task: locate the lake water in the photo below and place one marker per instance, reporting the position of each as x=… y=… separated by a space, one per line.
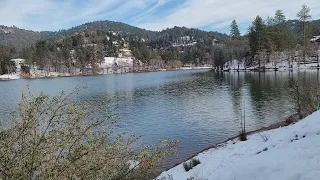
x=197 y=107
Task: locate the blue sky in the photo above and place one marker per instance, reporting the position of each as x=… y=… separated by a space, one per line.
x=211 y=15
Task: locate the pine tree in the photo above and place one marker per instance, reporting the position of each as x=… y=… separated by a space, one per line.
x=257 y=37
x=304 y=16
x=279 y=17
x=281 y=30
x=234 y=32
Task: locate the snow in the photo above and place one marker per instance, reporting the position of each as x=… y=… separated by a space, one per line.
x=9 y=76
x=110 y=61
x=133 y=164
x=234 y=64
x=290 y=153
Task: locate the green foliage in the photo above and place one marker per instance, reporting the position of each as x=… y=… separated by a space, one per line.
x=191 y=164
x=305 y=95
x=6 y=54
x=25 y=69
x=187 y=166
x=257 y=36
x=243 y=136
x=195 y=162
x=58 y=138
x=220 y=55
x=234 y=32
x=51 y=50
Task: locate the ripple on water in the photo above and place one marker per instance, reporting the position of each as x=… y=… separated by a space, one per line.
x=197 y=107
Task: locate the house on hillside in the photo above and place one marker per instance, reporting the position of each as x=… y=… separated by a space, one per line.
x=18 y=63
x=124 y=53
x=315 y=39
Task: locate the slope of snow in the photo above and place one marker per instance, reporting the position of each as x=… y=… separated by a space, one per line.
x=10 y=76
x=110 y=61
x=290 y=153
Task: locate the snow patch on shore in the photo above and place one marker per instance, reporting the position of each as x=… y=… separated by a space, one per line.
x=289 y=153
x=9 y=76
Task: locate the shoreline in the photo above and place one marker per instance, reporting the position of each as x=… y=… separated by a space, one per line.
x=262 y=129
x=248 y=70
x=288 y=152
x=79 y=75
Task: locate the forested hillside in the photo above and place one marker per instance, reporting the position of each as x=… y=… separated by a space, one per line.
x=20 y=38
x=84 y=47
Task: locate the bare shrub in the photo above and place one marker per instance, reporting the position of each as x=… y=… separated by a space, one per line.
x=306 y=96
x=56 y=138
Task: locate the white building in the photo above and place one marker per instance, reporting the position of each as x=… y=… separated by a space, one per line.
x=18 y=63
x=315 y=39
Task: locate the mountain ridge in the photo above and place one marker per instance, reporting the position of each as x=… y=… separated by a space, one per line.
x=20 y=38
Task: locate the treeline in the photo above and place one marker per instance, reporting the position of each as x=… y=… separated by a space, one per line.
x=267 y=38
x=6 y=53
x=83 y=48
x=83 y=51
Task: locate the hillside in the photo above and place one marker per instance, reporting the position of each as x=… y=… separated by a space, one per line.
x=294 y=24
x=20 y=38
x=121 y=28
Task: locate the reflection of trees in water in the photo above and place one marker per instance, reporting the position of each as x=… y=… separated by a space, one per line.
x=236 y=83
x=268 y=93
x=264 y=93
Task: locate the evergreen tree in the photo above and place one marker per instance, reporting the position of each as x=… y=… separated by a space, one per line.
x=234 y=32
x=279 y=17
x=256 y=36
x=280 y=37
x=304 y=17
x=6 y=54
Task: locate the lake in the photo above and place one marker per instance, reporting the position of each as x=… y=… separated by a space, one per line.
x=197 y=107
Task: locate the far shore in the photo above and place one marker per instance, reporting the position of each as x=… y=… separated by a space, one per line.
x=7 y=77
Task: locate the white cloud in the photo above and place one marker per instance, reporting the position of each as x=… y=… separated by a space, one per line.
x=219 y=13
x=58 y=14
x=150 y=10
x=13 y=12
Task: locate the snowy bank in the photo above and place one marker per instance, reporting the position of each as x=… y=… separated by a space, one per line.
x=9 y=76
x=287 y=153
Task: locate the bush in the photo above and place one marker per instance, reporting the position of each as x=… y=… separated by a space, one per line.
x=243 y=136
x=195 y=162
x=306 y=96
x=56 y=138
x=187 y=166
x=192 y=163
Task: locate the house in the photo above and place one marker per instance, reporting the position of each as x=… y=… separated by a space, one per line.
x=124 y=53
x=315 y=39
x=18 y=63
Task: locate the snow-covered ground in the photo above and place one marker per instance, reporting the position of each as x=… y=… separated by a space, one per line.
x=9 y=76
x=234 y=64
x=287 y=153
x=280 y=62
x=111 y=61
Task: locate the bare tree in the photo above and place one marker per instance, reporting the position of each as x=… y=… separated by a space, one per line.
x=57 y=138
